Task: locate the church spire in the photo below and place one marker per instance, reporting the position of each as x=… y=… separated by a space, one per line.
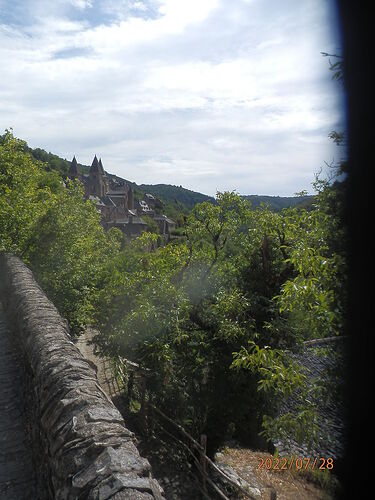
x=73 y=169
x=95 y=165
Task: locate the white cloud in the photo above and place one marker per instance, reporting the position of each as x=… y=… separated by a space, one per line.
x=81 y=4
x=207 y=94
x=181 y=13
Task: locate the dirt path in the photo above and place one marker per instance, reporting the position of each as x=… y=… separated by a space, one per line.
x=287 y=485
x=17 y=479
x=173 y=477
x=103 y=365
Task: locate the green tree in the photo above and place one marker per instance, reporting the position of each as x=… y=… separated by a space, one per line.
x=244 y=281
x=47 y=222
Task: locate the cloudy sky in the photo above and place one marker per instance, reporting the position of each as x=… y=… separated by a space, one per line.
x=207 y=94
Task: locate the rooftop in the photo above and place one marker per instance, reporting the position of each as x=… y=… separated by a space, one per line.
x=323 y=360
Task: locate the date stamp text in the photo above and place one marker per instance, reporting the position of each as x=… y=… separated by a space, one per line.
x=297 y=463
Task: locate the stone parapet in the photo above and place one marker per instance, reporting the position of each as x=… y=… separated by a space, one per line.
x=83 y=449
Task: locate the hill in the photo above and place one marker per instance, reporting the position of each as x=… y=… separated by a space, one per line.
x=176 y=194
x=277 y=203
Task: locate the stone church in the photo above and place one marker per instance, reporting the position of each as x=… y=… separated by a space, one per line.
x=113 y=197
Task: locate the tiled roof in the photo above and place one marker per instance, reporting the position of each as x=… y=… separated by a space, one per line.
x=108 y=201
x=125 y=221
x=117 y=193
x=165 y=218
x=323 y=359
x=96 y=200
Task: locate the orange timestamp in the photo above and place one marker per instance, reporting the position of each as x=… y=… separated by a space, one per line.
x=298 y=463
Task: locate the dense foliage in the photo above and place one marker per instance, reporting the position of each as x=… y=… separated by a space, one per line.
x=52 y=228
x=211 y=314
x=211 y=317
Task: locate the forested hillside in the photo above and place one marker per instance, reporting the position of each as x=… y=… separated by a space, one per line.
x=279 y=202
x=176 y=194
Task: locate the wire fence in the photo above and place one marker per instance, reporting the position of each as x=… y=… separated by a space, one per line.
x=130 y=381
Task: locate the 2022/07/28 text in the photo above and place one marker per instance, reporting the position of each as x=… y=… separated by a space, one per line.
x=298 y=463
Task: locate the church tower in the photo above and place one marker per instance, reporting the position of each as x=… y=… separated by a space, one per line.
x=73 y=172
x=96 y=184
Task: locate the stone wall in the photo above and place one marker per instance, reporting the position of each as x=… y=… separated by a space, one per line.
x=83 y=449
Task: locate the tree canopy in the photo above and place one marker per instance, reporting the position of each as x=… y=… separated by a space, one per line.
x=47 y=222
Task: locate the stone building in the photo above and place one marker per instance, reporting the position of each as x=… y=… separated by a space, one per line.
x=98 y=183
x=113 y=197
x=165 y=224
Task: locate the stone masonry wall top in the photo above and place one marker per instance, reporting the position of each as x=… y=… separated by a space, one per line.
x=87 y=450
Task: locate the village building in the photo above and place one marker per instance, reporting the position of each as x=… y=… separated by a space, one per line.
x=153 y=202
x=165 y=224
